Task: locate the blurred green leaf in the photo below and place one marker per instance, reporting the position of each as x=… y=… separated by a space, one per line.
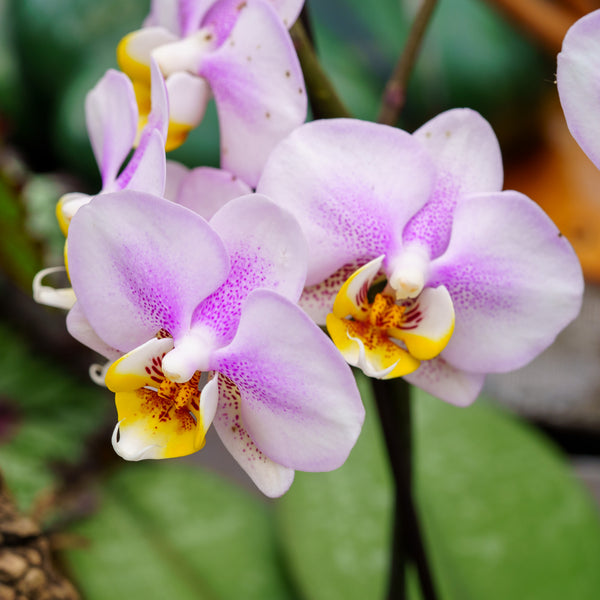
x=55 y=414
x=503 y=515
x=167 y=530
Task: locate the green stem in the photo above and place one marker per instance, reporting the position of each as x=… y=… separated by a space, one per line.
x=324 y=101
x=394 y=95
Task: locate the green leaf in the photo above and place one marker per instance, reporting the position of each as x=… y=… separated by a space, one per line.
x=503 y=515
x=55 y=415
x=167 y=530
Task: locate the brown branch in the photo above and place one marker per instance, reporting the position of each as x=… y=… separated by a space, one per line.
x=394 y=95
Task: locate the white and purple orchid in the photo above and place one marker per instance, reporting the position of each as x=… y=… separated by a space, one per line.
x=474 y=280
x=237 y=51
x=112 y=124
x=578 y=80
x=201 y=323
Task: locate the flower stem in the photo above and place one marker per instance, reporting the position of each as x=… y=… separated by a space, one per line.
x=394 y=95
x=393 y=404
x=324 y=101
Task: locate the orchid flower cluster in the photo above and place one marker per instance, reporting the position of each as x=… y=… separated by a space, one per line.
x=204 y=289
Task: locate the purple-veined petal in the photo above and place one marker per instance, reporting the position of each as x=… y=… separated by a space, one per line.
x=442 y=380
x=515 y=282
x=299 y=401
x=272 y=479
x=352 y=185
x=466 y=152
x=205 y=190
x=146 y=171
x=317 y=300
x=578 y=80
x=79 y=327
x=258 y=87
x=111 y=118
x=266 y=250
x=139 y=263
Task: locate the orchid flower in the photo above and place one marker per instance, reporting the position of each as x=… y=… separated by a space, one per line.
x=419 y=264
x=202 y=321
x=241 y=53
x=577 y=77
x=112 y=120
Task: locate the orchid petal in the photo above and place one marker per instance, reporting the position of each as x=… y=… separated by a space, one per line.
x=266 y=249
x=300 y=403
x=205 y=190
x=466 y=152
x=514 y=280
x=150 y=427
x=176 y=175
x=159 y=115
x=442 y=380
x=49 y=296
x=258 y=88
x=164 y=13
x=129 y=261
x=111 y=118
x=334 y=177
x=317 y=300
x=80 y=329
x=272 y=479
x=288 y=10
x=370 y=349
x=577 y=77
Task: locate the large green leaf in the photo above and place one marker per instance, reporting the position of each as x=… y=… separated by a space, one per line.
x=54 y=414
x=503 y=514
x=167 y=530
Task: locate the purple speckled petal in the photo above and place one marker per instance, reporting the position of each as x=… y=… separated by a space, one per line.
x=258 y=86
x=352 y=185
x=578 y=80
x=272 y=479
x=111 y=118
x=79 y=327
x=467 y=154
x=299 y=401
x=205 y=190
x=266 y=250
x=515 y=282
x=139 y=263
x=446 y=382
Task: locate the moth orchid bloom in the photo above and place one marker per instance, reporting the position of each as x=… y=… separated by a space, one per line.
x=237 y=51
x=203 y=317
x=455 y=278
x=578 y=84
x=111 y=118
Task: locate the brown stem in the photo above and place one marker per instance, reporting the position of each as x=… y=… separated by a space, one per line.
x=323 y=98
x=394 y=95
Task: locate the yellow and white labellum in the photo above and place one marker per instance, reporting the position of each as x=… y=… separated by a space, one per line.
x=67 y=206
x=386 y=338
x=159 y=418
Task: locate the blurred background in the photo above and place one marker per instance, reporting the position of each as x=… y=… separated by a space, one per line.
x=508 y=489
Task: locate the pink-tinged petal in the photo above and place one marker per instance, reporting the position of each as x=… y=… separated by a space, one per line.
x=164 y=13
x=79 y=327
x=442 y=380
x=139 y=263
x=578 y=80
x=146 y=171
x=111 y=118
x=176 y=175
x=466 y=152
x=352 y=185
x=299 y=401
x=258 y=86
x=515 y=282
x=288 y=10
x=205 y=190
x=159 y=115
x=272 y=479
x=266 y=250
x=317 y=300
